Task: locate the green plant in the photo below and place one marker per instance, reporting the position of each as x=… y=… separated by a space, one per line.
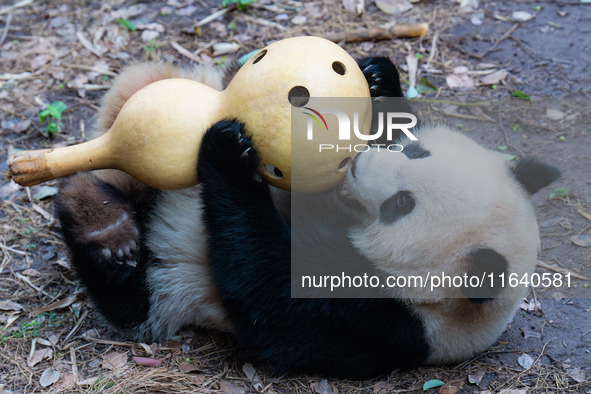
x=241 y=4
x=53 y=114
x=559 y=192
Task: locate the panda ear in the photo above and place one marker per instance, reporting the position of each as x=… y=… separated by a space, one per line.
x=482 y=263
x=533 y=174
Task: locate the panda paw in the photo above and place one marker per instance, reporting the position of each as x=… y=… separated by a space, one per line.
x=98 y=221
x=227 y=151
x=382 y=77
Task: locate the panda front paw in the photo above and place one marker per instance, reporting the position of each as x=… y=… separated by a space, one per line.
x=382 y=77
x=228 y=152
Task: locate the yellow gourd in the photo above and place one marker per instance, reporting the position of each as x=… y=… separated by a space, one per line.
x=157 y=134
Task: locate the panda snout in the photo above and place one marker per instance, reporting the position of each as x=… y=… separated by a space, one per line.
x=354 y=164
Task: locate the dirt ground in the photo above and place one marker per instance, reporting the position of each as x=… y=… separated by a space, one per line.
x=50 y=337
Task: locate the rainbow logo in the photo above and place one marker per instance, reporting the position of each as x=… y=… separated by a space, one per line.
x=316 y=118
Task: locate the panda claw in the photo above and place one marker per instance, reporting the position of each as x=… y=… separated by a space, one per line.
x=244 y=154
x=132 y=264
x=107 y=253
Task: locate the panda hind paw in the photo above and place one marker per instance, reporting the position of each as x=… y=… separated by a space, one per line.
x=382 y=77
x=226 y=147
x=98 y=221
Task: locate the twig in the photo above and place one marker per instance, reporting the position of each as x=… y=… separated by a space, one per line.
x=6 y=27
x=89 y=68
x=185 y=52
x=399 y=30
x=263 y=22
x=77 y=326
x=74 y=365
x=561 y=270
x=20 y=4
x=214 y=16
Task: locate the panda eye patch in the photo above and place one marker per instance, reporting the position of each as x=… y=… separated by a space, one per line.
x=397 y=206
x=414 y=150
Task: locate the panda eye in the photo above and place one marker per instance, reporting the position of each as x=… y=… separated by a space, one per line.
x=397 y=206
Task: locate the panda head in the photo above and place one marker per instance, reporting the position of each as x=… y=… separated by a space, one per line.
x=444 y=205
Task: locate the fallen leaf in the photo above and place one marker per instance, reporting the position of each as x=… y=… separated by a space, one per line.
x=147 y=362
x=299 y=19
x=324 y=387
x=476 y=378
x=531 y=334
x=462 y=81
x=197 y=379
x=251 y=374
x=354 y=6
x=452 y=387
x=39 y=61
x=38 y=356
x=429 y=384
x=393 y=6
x=45 y=191
x=223 y=48
x=554 y=114
x=494 y=78
x=186 y=367
x=577 y=374
x=149 y=35
x=230 y=388
x=521 y=16
x=581 y=240
x=10 y=306
x=31 y=272
x=525 y=360
x=114 y=361
x=66 y=383
x=49 y=377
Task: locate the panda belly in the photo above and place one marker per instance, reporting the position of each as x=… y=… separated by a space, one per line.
x=181 y=289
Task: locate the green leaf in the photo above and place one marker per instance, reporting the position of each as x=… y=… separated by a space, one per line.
x=52 y=127
x=429 y=384
x=127 y=23
x=425 y=86
x=520 y=94
x=559 y=192
x=56 y=108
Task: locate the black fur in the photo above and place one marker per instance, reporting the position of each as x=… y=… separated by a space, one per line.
x=483 y=263
x=384 y=83
x=249 y=253
x=534 y=175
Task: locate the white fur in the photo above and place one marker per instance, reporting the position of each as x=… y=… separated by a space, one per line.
x=465 y=199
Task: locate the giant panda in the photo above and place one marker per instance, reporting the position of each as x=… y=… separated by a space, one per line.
x=217 y=255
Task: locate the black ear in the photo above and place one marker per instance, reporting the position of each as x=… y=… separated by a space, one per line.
x=485 y=262
x=533 y=174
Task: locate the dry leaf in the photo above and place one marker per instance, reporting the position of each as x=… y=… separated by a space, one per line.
x=38 y=356
x=149 y=35
x=147 y=362
x=452 y=387
x=554 y=114
x=581 y=240
x=531 y=334
x=186 y=367
x=230 y=388
x=39 y=61
x=251 y=374
x=521 y=16
x=223 y=48
x=494 y=78
x=114 y=361
x=10 y=306
x=197 y=379
x=354 y=6
x=577 y=374
x=476 y=378
x=66 y=383
x=526 y=361
x=299 y=19
x=49 y=377
x=324 y=387
x=31 y=272
x=462 y=81
x=393 y=6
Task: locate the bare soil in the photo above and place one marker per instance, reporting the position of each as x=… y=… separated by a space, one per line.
x=72 y=49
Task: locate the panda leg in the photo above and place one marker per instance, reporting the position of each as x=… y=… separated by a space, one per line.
x=99 y=227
